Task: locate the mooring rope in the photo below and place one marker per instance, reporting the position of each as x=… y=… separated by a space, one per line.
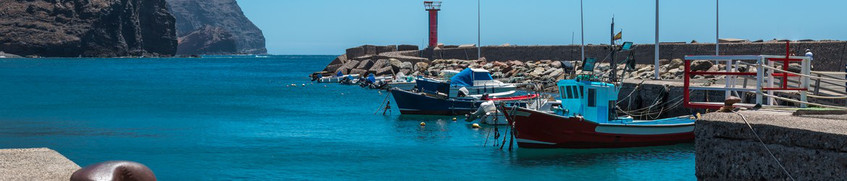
x=827 y=97
x=801 y=102
x=798 y=74
x=765 y=145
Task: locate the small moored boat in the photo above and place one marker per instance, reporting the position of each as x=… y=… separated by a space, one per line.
x=585 y=117
x=462 y=94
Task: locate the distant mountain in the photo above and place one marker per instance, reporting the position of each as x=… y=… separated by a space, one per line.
x=102 y=28
x=209 y=27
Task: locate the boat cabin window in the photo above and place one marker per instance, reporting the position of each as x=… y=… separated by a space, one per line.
x=562 y=92
x=580 y=92
x=575 y=93
x=569 y=92
x=592 y=99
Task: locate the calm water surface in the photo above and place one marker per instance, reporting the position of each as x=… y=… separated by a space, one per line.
x=235 y=118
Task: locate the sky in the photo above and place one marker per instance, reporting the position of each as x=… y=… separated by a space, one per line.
x=328 y=27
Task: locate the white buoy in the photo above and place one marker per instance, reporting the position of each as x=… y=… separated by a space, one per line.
x=454 y=118
x=423 y=124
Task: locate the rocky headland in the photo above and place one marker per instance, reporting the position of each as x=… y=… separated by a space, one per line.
x=89 y=28
x=126 y=28
x=207 y=40
x=212 y=26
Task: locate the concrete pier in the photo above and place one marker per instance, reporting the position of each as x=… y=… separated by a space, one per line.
x=812 y=147
x=35 y=164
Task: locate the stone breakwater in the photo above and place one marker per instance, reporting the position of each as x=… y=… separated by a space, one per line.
x=392 y=60
x=829 y=55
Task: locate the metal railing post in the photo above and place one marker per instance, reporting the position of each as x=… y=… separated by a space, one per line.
x=727 y=77
x=818 y=85
x=770 y=83
x=807 y=70
x=759 y=79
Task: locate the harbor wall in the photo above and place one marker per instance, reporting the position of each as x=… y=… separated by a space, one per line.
x=829 y=55
x=650 y=92
x=810 y=148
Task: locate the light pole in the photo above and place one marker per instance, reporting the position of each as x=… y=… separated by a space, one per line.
x=656 y=46
x=478 y=31
x=582 y=31
x=717 y=28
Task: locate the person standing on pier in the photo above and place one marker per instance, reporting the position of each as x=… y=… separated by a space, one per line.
x=811 y=57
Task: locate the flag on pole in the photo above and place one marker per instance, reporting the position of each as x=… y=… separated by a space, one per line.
x=619 y=35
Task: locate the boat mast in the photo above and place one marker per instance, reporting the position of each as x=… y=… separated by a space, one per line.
x=613 y=63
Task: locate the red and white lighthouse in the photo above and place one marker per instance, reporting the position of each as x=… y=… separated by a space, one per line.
x=433 y=7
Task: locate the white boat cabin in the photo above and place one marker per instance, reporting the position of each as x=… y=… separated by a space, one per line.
x=478 y=82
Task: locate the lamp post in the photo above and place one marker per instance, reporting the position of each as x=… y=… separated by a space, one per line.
x=582 y=31
x=656 y=46
x=478 y=31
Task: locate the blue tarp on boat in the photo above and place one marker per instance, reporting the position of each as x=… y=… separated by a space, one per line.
x=339 y=74
x=466 y=77
x=371 y=78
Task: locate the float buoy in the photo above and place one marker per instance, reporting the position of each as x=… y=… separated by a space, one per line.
x=293 y=85
x=423 y=124
x=304 y=85
x=454 y=118
x=475 y=125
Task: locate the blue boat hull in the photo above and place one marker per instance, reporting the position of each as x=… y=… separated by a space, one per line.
x=417 y=103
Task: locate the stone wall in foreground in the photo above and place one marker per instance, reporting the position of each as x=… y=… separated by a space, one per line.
x=829 y=55
x=809 y=148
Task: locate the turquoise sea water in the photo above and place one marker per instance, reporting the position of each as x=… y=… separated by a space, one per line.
x=235 y=118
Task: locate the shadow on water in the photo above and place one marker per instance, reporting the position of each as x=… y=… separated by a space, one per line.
x=531 y=157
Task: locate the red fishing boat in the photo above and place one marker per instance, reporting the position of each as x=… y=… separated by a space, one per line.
x=585 y=117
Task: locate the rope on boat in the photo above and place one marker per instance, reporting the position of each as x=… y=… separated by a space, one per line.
x=764 y=145
x=631 y=92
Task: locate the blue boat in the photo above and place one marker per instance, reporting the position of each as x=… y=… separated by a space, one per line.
x=463 y=94
x=420 y=103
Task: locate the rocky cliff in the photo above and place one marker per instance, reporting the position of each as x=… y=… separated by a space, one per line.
x=91 y=28
x=207 y=40
x=196 y=17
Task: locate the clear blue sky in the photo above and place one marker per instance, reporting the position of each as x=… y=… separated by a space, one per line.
x=330 y=26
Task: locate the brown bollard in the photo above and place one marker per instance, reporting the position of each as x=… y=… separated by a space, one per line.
x=115 y=171
x=728 y=104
